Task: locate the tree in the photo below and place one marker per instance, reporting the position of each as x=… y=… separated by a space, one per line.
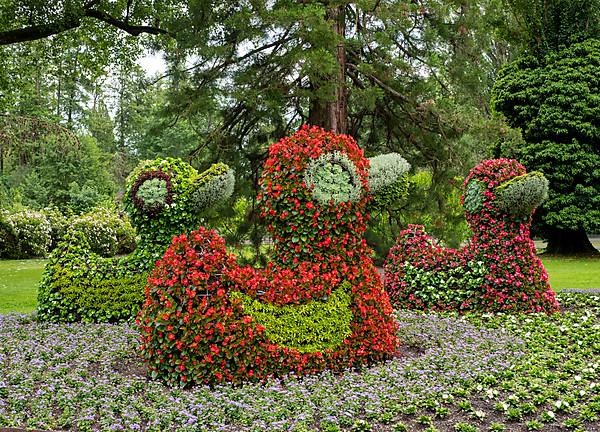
x=406 y=76
x=552 y=94
x=49 y=166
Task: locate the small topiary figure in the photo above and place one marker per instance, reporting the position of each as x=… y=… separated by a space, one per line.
x=318 y=304
x=498 y=270
x=165 y=197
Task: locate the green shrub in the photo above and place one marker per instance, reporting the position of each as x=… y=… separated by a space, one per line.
x=310 y=327
x=212 y=187
x=8 y=241
x=158 y=215
x=521 y=195
x=445 y=285
x=79 y=285
x=388 y=180
x=82 y=283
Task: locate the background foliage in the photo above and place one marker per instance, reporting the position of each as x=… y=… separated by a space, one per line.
x=414 y=77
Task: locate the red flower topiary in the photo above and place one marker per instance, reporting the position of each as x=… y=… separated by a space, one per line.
x=195 y=326
x=498 y=270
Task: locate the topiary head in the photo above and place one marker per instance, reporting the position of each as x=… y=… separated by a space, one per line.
x=166 y=197
x=501 y=189
x=315 y=188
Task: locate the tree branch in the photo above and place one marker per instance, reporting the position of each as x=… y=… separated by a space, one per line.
x=36 y=32
x=133 y=30
x=71 y=21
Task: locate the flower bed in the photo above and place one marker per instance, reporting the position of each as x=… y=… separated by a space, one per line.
x=84 y=377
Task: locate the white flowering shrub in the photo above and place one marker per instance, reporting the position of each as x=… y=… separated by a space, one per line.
x=59 y=224
x=107 y=232
x=31 y=233
x=333 y=177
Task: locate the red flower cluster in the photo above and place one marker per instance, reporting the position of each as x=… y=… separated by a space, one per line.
x=514 y=279
x=192 y=331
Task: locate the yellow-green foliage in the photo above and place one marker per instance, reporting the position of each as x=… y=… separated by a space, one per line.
x=311 y=327
x=99 y=300
x=79 y=285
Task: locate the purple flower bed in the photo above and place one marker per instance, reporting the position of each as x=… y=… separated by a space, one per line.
x=85 y=377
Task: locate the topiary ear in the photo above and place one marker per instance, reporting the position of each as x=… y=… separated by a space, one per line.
x=521 y=195
x=212 y=187
x=473 y=198
x=388 y=180
x=152 y=192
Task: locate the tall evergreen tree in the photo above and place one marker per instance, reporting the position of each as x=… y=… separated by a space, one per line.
x=552 y=93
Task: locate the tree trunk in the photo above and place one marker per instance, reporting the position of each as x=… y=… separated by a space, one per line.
x=333 y=115
x=569 y=242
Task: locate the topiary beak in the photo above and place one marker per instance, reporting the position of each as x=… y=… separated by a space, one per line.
x=521 y=195
x=212 y=187
x=388 y=179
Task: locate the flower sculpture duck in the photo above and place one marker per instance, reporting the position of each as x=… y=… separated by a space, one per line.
x=498 y=270
x=164 y=197
x=318 y=304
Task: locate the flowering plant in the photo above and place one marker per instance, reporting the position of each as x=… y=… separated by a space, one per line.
x=314 y=193
x=498 y=270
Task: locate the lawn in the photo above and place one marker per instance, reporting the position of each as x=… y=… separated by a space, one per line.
x=572 y=272
x=18 y=285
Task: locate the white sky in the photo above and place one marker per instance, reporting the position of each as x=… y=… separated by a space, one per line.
x=153 y=63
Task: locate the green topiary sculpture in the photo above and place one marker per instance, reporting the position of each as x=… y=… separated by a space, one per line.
x=164 y=197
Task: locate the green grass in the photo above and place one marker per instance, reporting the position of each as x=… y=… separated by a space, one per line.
x=572 y=272
x=18 y=284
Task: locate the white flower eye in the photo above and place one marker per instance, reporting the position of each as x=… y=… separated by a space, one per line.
x=333 y=177
x=474 y=196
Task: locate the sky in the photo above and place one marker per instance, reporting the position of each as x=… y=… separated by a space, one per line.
x=153 y=63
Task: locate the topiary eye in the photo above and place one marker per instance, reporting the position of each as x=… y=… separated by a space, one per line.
x=333 y=177
x=151 y=192
x=474 y=196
